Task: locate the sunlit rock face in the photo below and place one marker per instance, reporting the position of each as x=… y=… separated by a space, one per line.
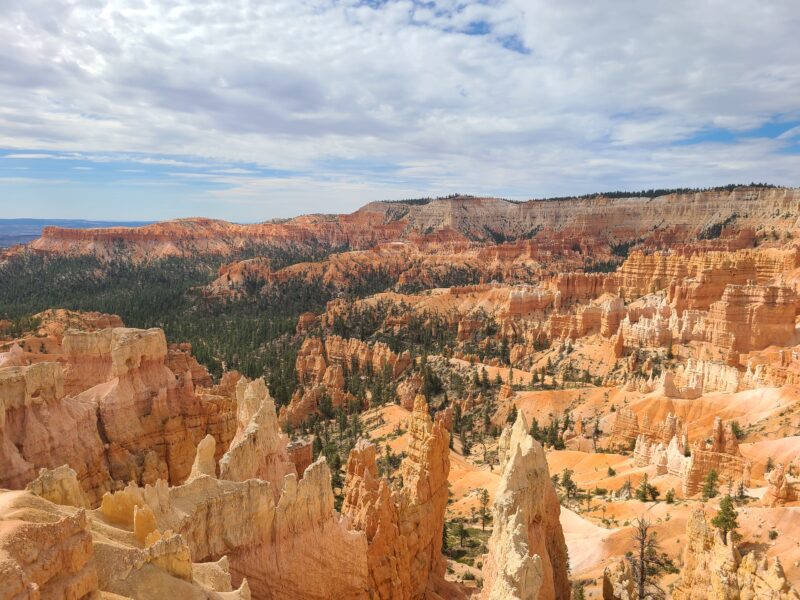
x=527 y=555
x=111 y=409
x=403 y=527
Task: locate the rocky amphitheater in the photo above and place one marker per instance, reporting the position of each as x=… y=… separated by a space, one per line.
x=527 y=385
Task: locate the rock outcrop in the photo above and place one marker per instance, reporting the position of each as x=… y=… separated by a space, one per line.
x=279 y=532
x=527 y=555
x=781 y=488
x=323 y=365
x=721 y=455
x=402 y=564
x=618 y=582
x=111 y=409
x=46 y=559
x=50 y=551
x=713 y=569
x=59 y=486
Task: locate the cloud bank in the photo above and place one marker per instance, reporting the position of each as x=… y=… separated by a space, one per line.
x=275 y=108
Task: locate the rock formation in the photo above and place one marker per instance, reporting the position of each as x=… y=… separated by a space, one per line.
x=280 y=534
x=781 y=488
x=110 y=409
x=713 y=569
x=527 y=555
x=455 y=220
x=59 y=486
x=618 y=583
x=50 y=551
x=400 y=565
x=721 y=455
x=322 y=366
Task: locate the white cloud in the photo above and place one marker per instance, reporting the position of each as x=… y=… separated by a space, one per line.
x=555 y=97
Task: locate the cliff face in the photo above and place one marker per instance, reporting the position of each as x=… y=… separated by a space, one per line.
x=665 y=448
x=111 y=409
x=278 y=532
x=678 y=217
x=39 y=429
x=51 y=551
x=46 y=559
x=527 y=555
x=323 y=365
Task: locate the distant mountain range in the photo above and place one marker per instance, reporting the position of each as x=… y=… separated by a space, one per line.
x=22 y=231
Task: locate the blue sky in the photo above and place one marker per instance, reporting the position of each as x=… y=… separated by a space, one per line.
x=244 y=110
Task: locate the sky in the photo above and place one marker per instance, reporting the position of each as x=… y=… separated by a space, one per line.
x=251 y=110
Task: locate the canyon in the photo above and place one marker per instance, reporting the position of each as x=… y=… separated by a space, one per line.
x=435 y=400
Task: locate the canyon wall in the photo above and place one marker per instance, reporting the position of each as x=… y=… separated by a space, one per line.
x=111 y=409
x=680 y=217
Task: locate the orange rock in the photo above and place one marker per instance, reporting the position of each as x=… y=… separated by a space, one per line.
x=403 y=529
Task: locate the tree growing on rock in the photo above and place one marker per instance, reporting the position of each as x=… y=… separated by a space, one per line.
x=726 y=519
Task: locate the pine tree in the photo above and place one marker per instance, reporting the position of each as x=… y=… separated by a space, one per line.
x=647 y=562
x=569 y=485
x=461 y=532
x=578 y=592
x=710 y=489
x=741 y=492
x=483 y=498
x=535 y=431
x=512 y=415
x=725 y=519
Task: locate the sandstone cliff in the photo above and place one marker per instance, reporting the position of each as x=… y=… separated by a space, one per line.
x=677 y=217
x=111 y=409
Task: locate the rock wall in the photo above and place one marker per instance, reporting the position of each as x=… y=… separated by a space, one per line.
x=322 y=366
x=279 y=532
x=38 y=429
x=112 y=410
x=455 y=220
x=46 y=559
x=722 y=455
